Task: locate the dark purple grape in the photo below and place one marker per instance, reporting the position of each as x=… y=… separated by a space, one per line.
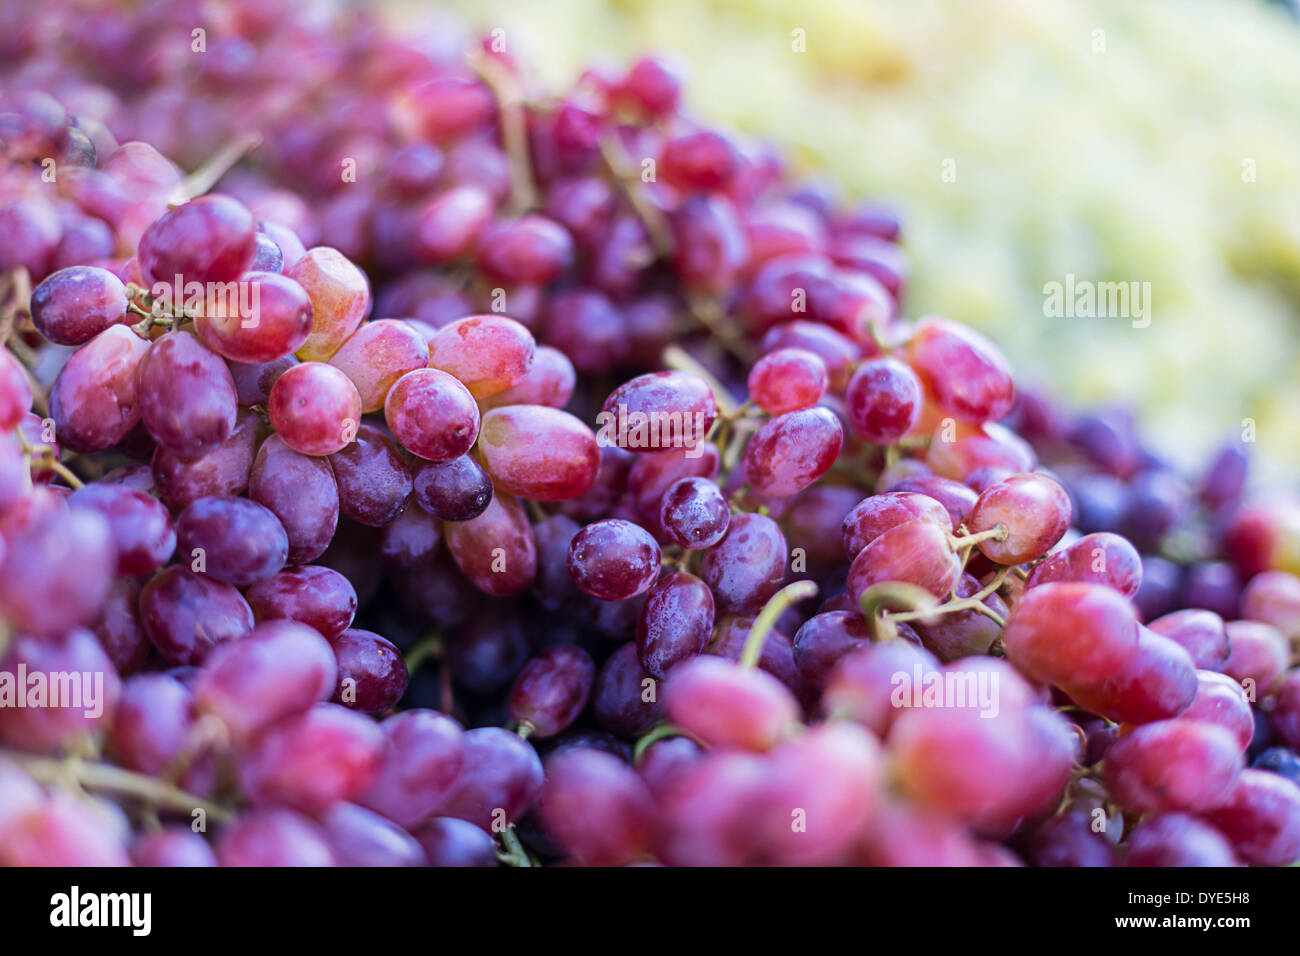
x=372 y=674
x=552 y=689
x=455 y=490
x=232 y=539
x=675 y=624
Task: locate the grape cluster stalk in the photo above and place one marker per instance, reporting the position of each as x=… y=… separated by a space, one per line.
x=445 y=471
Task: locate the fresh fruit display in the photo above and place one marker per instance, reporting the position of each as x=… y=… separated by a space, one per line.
x=444 y=472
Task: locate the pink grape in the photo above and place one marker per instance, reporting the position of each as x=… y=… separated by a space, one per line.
x=315 y=409
x=792 y=451
x=432 y=414
x=786 y=380
x=1034 y=509
x=488 y=353
x=340 y=299
x=538 y=452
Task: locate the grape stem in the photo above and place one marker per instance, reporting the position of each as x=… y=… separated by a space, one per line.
x=106 y=777
x=514 y=854
x=658 y=732
x=427 y=649
x=767 y=618
x=514 y=127
x=42 y=456
x=891 y=595
x=209 y=174
x=652 y=217
x=677 y=358
x=973 y=603
x=999 y=533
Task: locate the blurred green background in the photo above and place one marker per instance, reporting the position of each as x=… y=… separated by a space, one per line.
x=1154 y=141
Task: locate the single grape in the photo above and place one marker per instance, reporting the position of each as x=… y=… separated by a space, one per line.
x=209 y=239
x=72 y=306
x=84 y=690
x=455 y=490
x=488 y=353
x=410 y=538
x=1261 y=819
x=312 y=760
x=1071 y=633
x=360 y=837
x=140 y=526
x=792 y=451
x=529 y=249
x=538 y=452
x=340 y=299
x=658 y=412
x=747 y=566
x=372 y=674
x=962 y=369
x=675 y=624
x=315 y=408
x=1221 y=700
x=186 y=395
x=94 y=400
x=232 y=539
x=187 y=615
x=314 y=595
x=372 y=477
x=448 y=841
x=1200 y=633
x=1034 y=509
x=916 y=552
x=274 y=836
x=884 y=400
x=57 y=566
x=301 y=492
x=614 y=560
x=552 y=689
x=172 y=846
x=1258 y=653
x=500 y=779
x=726 y=705
x=1172 y=765
x=787 y=379
x=1176 y=839
x=421 y=762
x=694 y=513
x=596 y=806
x=432 y=414
x=619 y=695
x=266 y=318
x=495 y=550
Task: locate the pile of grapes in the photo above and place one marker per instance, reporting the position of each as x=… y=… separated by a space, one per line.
x=443 y=473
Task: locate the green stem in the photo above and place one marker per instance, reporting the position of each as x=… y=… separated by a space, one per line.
x=515 y=854
x=893 y=596
x=102 y=776
x=427 y=649
x=655 y=734
x=767 y=618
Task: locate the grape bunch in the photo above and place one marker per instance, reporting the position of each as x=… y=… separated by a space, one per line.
x=447 y=473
